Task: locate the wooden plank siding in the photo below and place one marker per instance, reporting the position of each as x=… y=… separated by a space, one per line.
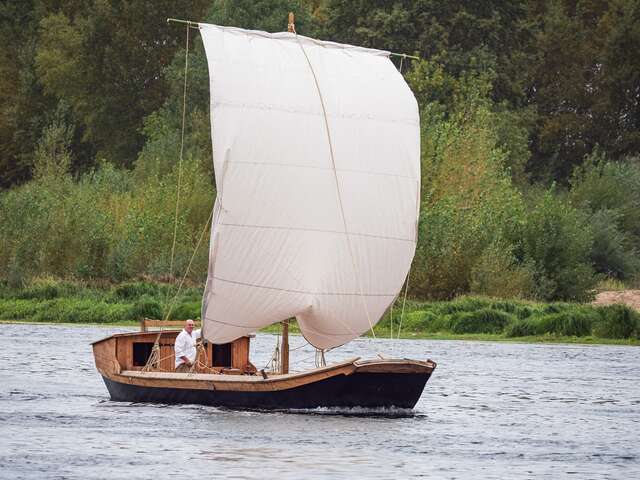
x=120 y=348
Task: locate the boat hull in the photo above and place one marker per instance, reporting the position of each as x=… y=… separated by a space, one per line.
x=373 y=383
x=366 y=390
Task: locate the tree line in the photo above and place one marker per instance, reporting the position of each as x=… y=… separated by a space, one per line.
x=530 y=135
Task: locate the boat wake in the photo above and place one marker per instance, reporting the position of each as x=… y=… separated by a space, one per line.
x=383 y=412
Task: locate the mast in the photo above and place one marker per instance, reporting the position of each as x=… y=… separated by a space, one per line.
x=284 y=348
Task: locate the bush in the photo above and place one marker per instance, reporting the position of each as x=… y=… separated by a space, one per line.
x=146 y=307
x=468 y=199
x=573 y=323
x=437 y=323
x=613 y=252
x=103 y=226
x=556 y=241
x=485 y=320
x=132 y=291
x=186 y=310
x=616 y=321
x=521 y=328
x=496 y=273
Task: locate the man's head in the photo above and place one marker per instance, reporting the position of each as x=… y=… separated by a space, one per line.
x=188 y=326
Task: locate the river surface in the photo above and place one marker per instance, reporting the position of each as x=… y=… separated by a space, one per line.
x=490 y=410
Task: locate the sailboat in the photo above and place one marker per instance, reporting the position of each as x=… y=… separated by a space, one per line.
x=316 y=152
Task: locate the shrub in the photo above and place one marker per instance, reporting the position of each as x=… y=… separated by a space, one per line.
x=496 y=273
x=438 y=323
x=616 y=321
x=132 y=291
x=11 y=309
x=146 y=307
x=485 y=320
x=468 y=199
x=521 y=328
x=556 y=241
x=571 y=323
x=185 y=310
x=602 y=184
x=612 y=253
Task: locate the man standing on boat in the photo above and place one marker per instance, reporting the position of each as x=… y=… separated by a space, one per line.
x=185 y=347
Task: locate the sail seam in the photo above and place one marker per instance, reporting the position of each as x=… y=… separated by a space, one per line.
x=319 y=230
x=315 y=167
x=256 y=327
x=278 y=108
x=306 y=292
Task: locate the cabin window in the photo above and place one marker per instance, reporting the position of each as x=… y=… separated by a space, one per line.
x=141 y=353
x=222 y=355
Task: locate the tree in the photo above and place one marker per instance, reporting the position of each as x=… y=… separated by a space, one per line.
x=585 y=83
x=106 y=59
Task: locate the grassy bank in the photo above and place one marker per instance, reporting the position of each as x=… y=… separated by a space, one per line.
x=471 y=318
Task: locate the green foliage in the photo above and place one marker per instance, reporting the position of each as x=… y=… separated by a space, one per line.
x=512 y=318
x=469 y=204
x=496 y=273
x=267 y=15
x=146 y=307
x=88 y=85
x=610 y=193
x=521 y=328
x=106 y=59
x=50 y=300
x=556 y=240
x=46 y=289
x=485 y=320
x=570 y=323
x=103 y=226
x=186 y=310
x=131 y=291
x=612 y=252
x=616 y=321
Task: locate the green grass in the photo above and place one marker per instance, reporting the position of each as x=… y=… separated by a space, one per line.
x=466 y=318
x=63 y=302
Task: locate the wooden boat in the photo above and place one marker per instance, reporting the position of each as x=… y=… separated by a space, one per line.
x=225 y=378
x=316 y=152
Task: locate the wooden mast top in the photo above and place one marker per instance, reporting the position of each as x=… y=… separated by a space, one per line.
x=291 y=27
x=284 y=350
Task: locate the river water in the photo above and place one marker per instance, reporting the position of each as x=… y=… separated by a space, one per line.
x=490 y=410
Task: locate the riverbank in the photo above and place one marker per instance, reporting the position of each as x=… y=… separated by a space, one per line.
x=465 y=318
x=382 y=335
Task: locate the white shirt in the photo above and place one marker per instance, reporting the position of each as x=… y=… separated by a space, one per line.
x=185 y=346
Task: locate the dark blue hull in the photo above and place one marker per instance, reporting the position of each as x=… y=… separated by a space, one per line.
x=367 y=390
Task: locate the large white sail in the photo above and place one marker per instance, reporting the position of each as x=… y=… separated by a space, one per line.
x=316 y=152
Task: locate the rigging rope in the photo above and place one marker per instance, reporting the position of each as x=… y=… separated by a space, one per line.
x=154 y=359
x=404 y=301
x=184 y=116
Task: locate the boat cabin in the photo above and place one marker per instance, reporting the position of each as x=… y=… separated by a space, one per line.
x=131 y=351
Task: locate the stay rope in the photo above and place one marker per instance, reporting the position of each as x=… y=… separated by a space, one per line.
x=404 y=301
x=154 y=359
x=184 y=116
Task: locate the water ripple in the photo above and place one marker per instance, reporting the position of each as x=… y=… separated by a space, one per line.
x=490 y=410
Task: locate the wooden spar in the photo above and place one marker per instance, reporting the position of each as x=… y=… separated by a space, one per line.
x=284 y=349
x=291 y=27
x=196 y=25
